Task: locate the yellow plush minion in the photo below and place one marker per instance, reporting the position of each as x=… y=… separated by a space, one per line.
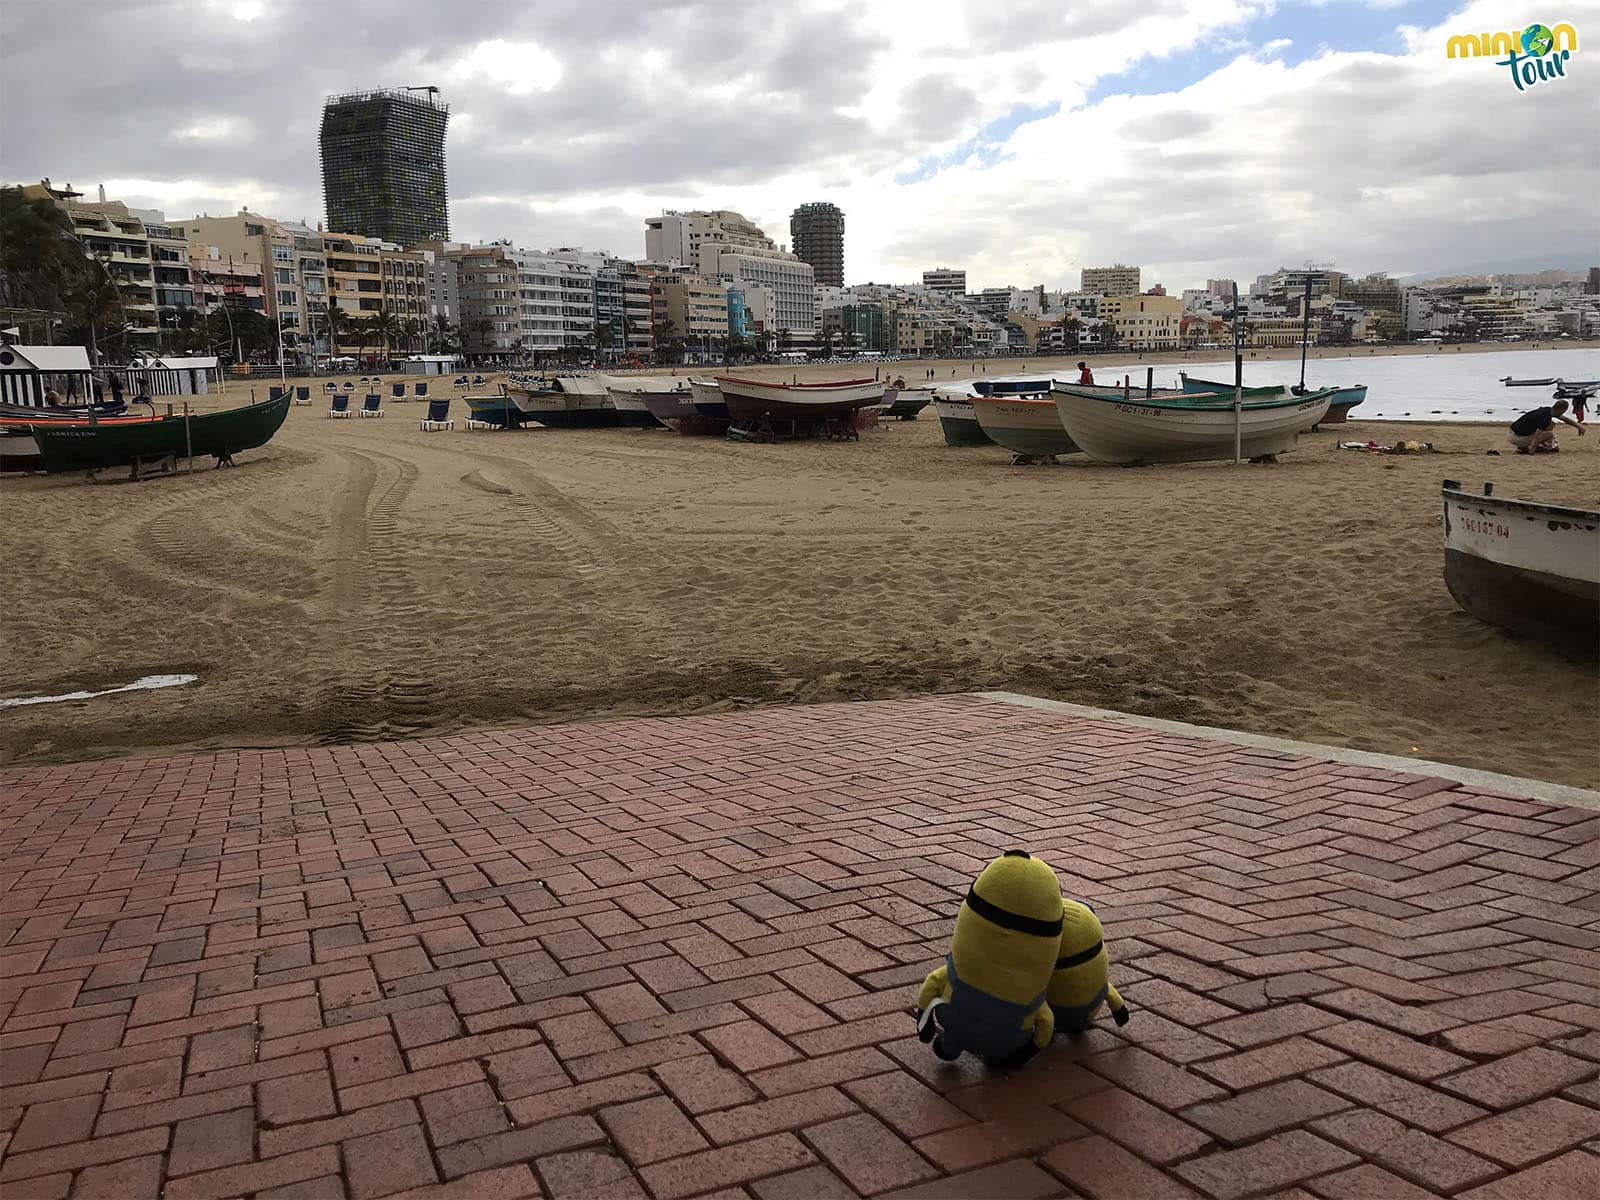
x=1081 y=982
x=989 y=998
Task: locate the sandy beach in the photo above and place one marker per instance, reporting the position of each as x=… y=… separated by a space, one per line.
x=361 y=579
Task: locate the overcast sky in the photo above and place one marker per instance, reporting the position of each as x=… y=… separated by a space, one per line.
x=1022 y=141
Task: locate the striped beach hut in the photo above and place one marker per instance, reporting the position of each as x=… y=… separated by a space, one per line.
x=27 y=372
x=189 y=376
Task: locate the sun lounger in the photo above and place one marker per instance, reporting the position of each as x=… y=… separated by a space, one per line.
x=370 y=407
x=422 y=390
x=398 y=391
x=341 y=406
x=302 y=395
x=438 y=416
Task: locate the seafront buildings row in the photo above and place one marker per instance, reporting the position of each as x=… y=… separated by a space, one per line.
x=711 y=279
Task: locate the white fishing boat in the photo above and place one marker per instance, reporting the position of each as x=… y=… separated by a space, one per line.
x=752 y=400
x=957 y=419
x=1030 y=428
x=565 y=402
x=1525 y=566
x=629 y=396
x=1123 y=426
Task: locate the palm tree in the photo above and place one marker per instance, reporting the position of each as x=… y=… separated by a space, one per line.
x=410 y=333
x=383 y=327
x=39 y=256
x=827 y=343
x=850 y=339
x=338 y=323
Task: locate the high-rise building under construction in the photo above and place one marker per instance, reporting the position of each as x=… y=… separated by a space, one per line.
x=383 y=164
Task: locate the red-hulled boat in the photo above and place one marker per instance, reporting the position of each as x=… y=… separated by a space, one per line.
x=751 y=400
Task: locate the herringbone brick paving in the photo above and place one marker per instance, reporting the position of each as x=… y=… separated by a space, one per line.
x=673 y=958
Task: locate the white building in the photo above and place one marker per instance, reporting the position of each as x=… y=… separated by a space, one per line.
x=946 y=280
x=720 y=244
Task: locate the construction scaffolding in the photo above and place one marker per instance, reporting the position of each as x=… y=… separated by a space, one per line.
x=383 y=170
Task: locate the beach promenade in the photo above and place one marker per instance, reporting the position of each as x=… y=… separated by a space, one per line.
x=676 y=957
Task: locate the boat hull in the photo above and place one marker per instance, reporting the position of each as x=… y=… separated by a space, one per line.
x=631 y=408
x=48 y=412
x=710 y=415
x=1028 y=427
x=959 y=423
x=558 y=408
x=1339 y=404
x=1533 y=569
x=19 y=452
x=495 y=410
x=750 y=401
x=1141 y=431
x=677 y=411
x=116 y=444
x=907 y=404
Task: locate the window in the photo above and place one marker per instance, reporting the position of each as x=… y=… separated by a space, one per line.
x=286 y=300
x=284 y=274
x=282 y=253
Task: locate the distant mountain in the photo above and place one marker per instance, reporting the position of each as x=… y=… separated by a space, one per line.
x=1501 y=266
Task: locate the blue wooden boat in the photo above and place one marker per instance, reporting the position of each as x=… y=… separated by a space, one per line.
x=496 y=410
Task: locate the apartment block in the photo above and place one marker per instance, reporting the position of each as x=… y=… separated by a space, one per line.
x=816 y=231
x=945 y=280
x=1144 y=322
x=1117 y=280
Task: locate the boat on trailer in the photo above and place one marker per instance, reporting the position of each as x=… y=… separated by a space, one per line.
x=1121 y=425
x=1526 y=566
x=798 y=405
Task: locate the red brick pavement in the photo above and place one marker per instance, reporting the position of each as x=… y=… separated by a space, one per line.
x=668 y=958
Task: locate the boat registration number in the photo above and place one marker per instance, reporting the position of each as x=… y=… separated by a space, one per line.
x=1137 y=411
x=1487 y=528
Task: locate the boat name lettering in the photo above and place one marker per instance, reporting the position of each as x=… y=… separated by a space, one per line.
x=1491 y=528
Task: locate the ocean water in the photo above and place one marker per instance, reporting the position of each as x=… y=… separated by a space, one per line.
x=1446 y=386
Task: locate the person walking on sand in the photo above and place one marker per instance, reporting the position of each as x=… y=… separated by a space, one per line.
x=1534 y=432
x=1085 y=376
x=1580 y=400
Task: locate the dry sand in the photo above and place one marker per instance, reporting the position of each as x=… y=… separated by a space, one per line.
x=361 y=579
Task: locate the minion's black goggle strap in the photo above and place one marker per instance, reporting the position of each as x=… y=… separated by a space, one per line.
x=1078 y=959
x=1010 y=920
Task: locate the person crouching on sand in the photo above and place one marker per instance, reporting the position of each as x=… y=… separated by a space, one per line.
x=1534 y=432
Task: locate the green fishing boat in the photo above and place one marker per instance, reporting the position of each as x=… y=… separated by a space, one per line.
x=217 y=435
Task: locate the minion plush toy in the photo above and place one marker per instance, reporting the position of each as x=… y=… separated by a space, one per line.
x=989 y=999
x=1081 y=981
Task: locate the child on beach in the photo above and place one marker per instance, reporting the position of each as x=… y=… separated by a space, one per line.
x=1534 y=432
x=1579 y=401
x=1085 y=376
